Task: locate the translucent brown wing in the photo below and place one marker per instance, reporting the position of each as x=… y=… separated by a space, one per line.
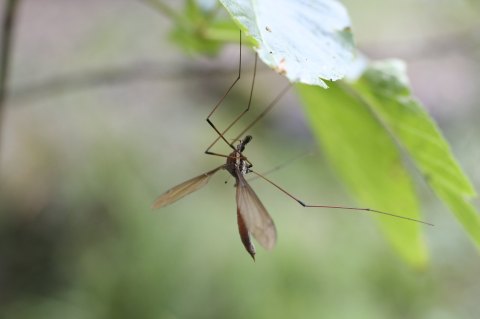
x=255 y=216
x=185 y=188
x=245 y=235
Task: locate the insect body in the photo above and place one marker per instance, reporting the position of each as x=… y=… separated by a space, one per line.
x=252 y=217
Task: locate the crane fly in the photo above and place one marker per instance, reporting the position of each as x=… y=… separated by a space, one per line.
x=253 y=218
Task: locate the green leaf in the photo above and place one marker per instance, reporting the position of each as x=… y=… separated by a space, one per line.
x=368 y=161
x=384 y=88
x=206 y=41
x=307 y=40
x=196 y=31
x=365 y=126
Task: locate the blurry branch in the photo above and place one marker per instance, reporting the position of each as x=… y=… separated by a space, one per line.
x=7 y=31
x=73 y=82
x=155 y=71
x=162 y=8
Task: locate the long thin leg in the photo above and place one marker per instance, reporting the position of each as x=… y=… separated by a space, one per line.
x=282 y=165
x=337 y=207
x=267 y=109
x=259 y=117
x=243 y=112
x=220 y=135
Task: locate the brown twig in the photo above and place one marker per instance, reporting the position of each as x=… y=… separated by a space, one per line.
x=6 y=41
x=118 y=75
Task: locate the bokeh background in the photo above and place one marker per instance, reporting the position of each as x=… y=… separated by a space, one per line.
x=105 y=113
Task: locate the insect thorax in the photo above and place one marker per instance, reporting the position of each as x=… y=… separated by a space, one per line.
x=236 y=162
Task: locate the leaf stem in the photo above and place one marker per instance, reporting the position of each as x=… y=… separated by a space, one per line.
x=162 y=8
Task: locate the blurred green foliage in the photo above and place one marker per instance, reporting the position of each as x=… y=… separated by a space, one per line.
x=369 y=162
x=196 y=30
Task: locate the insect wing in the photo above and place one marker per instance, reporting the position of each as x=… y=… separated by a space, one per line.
x=183 y=189
x=245 y=235
x=255 y=216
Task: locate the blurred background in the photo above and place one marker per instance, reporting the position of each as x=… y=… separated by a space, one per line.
x=105 y=113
